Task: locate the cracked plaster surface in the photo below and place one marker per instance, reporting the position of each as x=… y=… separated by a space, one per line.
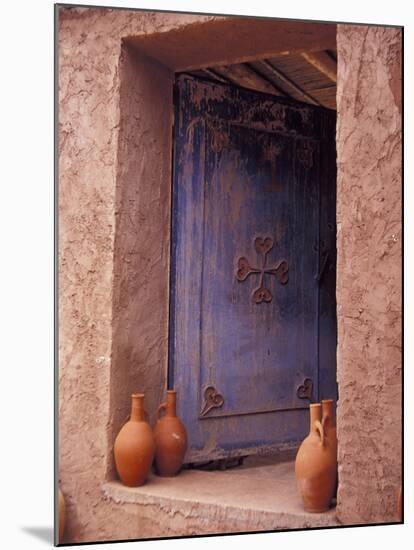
x=369 y=274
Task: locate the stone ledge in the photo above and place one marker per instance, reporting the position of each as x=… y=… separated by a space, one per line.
x=262 y=497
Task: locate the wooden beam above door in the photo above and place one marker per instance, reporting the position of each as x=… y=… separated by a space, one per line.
x=230 y=40
x=323 y=62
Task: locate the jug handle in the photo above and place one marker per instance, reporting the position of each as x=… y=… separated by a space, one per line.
x=160 y=408
x=320 y=430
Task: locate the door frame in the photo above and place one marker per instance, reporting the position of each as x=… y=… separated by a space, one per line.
x=326 y=319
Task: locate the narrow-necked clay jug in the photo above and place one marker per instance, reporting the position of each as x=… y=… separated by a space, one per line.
x=315 y=468
x=329 y=427
x=134 y=446
x=61 y=515
x=170 y=438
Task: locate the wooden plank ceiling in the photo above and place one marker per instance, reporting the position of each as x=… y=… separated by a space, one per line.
x=308 y=76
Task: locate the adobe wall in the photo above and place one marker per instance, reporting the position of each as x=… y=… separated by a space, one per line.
x=369 y=272
x=114 y=196
x=142 y=237
x=95 y=269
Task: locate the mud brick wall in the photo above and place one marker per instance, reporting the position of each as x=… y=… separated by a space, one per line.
x=108 y=283
x=113 y=201
x=369 y=272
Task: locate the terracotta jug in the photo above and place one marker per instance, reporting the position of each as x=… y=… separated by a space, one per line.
x=134 y=446
x=329 y=427
x=314 y=467
x=61 y=515
x=170 y=438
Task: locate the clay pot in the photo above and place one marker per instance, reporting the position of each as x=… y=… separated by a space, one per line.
x=314 y=467
x=329 y=427
x=170 y=438
x=61 y=515
x=134 y=446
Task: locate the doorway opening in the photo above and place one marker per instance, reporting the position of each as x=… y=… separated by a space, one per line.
x=253 y=268
x=143 y=323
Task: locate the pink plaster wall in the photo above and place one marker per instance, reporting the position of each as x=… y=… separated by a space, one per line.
x=114 y=220
x=142 y=239
x=369 y=272
x=93 y=140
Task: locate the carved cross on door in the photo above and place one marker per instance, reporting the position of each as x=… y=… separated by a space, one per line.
x=263 y=247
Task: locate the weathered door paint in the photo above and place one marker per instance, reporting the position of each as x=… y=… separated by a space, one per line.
x=253 y=243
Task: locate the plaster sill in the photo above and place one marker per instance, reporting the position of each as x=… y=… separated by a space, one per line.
x=256 y=497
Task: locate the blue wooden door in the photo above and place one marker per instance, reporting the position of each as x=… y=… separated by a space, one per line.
x=249 y=257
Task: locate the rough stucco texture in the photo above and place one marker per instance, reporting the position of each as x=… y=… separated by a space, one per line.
x=99 y=191
x=141 y=260
x=90 y=139
x=369 y=272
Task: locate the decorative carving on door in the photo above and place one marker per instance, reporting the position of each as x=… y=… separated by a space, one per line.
x=212 y=399
x=244 y=269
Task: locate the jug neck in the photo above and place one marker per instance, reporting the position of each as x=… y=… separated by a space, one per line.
x=327 y=412
x=137 y=407
x=315 y=410
x=170 y=409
